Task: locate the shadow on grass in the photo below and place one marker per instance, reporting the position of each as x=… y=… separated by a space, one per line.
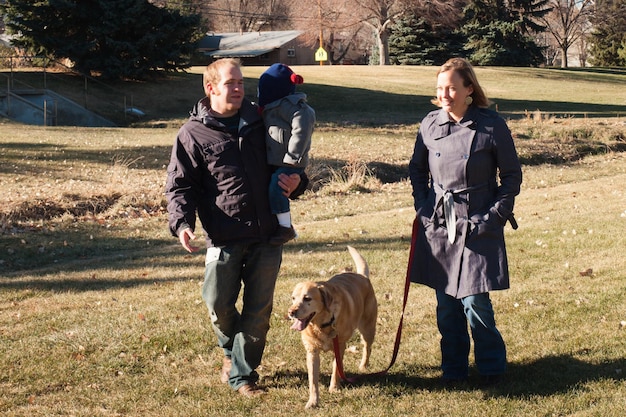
x=93 y=283
x=345 y=106
x=114 y=253
x=106 y=253
x=543 y=377
x=94 y=258
x=333 y=104
x=37 y=158
x=547 y=376
x=135 y=257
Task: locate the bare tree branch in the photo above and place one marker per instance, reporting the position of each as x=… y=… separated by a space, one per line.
x=567 y=23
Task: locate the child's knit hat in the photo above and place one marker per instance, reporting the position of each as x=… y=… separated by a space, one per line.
x=277 y=82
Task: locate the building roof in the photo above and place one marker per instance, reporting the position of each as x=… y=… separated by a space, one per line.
x=245 y=45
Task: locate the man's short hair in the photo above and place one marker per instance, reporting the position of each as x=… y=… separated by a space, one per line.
x=212 y=71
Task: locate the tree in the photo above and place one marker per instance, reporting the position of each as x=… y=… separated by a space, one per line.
x=109 y=38
x=567 y=23
x=332 y=23
x=499 y=32
x=415 y=41
x=247 y=15
x=379 y=15
x=345 y=19
x=608 y=37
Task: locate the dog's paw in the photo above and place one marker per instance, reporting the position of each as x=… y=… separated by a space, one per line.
x=311 y=404
x=334 y=388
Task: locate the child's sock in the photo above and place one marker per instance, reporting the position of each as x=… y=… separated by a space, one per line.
x=284 y=219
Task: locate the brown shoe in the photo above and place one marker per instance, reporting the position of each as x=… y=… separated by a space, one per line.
x=225 y=372
x=251 y=390
x=282 y=235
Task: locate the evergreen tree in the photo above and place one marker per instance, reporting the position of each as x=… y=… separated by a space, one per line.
x=414 y=41
x=608 y=38
x=499 y=32
x=110 y=38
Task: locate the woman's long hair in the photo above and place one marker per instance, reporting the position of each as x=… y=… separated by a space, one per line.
x=466 y=71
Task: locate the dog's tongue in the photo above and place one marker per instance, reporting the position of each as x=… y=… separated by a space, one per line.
x=298 y=325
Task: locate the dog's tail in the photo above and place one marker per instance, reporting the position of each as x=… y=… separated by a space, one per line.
x=361 y=264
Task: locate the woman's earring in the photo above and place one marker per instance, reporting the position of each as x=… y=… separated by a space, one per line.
x=469 y=100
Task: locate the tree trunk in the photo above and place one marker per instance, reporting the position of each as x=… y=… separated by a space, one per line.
x=563 y=57
x=383 y=47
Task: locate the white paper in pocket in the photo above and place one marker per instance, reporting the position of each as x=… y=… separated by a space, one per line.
x=212 y=255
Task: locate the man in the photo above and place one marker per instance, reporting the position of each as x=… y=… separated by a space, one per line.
x=218 y=169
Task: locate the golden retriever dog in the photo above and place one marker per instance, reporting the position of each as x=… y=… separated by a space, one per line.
x=337 y=307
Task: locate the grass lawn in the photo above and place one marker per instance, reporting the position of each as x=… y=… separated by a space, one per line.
x=101 y=312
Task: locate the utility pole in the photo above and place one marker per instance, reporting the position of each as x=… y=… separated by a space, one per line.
x=319 y=10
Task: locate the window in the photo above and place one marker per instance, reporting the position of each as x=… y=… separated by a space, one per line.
x=291 y=52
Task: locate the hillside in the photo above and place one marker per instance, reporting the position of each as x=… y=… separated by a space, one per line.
x=353 y=94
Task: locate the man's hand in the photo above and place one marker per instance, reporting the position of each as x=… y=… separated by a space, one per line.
x=185 y=236
x=288 y=183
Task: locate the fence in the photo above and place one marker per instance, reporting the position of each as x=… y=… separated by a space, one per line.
x=23 y=77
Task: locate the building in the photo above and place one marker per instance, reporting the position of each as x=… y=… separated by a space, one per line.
x=256 y=48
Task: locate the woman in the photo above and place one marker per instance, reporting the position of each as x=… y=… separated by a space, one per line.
x=465 y=175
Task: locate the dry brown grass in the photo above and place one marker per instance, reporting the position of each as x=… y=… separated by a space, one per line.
x=101 y=313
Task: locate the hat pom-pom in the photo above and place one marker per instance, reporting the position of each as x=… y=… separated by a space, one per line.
x=296 y=79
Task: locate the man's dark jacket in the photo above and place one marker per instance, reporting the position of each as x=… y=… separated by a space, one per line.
x=221 y=177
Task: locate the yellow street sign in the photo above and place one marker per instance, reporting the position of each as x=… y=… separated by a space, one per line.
x=321 y=55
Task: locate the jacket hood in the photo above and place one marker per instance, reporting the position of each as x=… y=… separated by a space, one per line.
x=294 y=98
x=201 y=112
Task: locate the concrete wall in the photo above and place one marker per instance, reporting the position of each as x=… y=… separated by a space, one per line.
x=45 y=107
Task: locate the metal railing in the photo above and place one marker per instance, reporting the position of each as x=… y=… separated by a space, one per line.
x=94 y=95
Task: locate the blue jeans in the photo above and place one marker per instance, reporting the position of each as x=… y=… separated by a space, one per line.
x=241 y=334
x=489 y=348
x=278 y=202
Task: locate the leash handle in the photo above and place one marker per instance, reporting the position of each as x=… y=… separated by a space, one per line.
x=396 y=346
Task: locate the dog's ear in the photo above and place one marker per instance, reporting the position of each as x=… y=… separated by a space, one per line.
x=327 y=298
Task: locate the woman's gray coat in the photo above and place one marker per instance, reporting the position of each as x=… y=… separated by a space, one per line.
x=475 y=164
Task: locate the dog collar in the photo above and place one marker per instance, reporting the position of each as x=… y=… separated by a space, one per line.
x=330 y=323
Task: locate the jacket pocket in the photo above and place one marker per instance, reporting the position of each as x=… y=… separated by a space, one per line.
x=231 y=205
x=277 y=134
x=276 y=146
x=488 y=224
x=231 y=217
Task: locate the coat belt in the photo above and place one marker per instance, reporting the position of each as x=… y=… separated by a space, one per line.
x=447 y=201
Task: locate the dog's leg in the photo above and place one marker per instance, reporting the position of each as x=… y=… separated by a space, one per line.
x=367 y=329
x=367 y=350
x=335 y=379
x=313 y=368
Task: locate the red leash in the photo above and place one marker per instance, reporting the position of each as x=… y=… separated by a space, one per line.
x=396 y=346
